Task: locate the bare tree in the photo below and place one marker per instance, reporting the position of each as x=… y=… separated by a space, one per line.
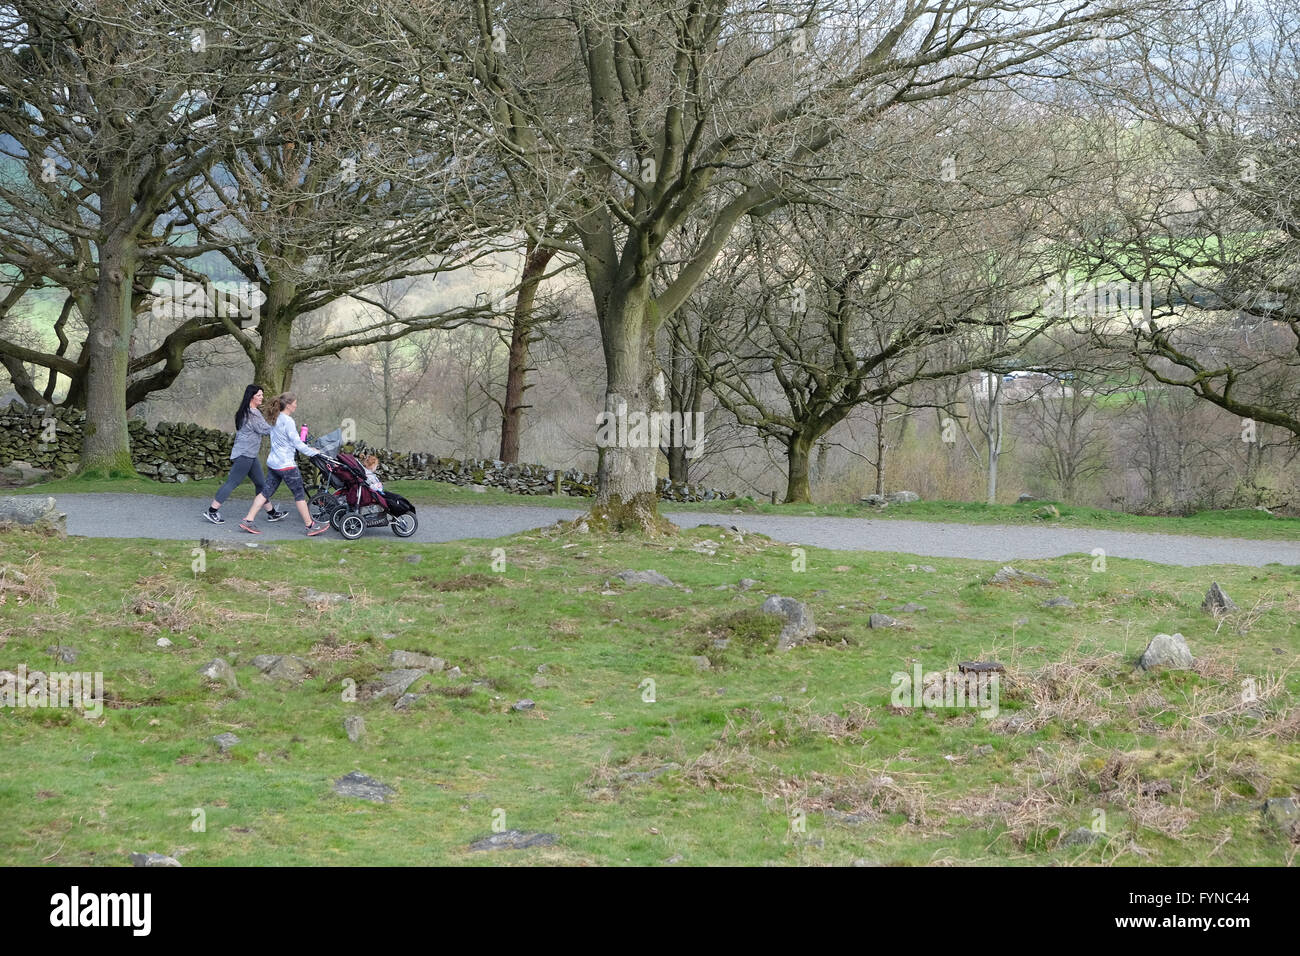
x=715 y=109
x=1203 y=211
x=396 y=368
x=106 y=110
x=472 y=366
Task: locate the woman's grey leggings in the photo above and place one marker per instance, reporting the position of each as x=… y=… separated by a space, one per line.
x=240 y=468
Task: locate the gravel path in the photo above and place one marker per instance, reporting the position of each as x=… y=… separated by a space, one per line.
x=152 y=516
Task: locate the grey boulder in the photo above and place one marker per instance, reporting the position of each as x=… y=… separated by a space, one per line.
x=392 y=683
x=645 y=577
x=281 y=667
x=1168 y=651
x=357 y=784
x=1217 y=600
x=798 y=617
x=355 y=727
x=218 y=670
x=1010 y=575
x=513 y=840
x=32 y=511
x=416 y=660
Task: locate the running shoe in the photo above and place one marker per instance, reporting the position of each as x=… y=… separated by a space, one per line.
x=214 y=516
x=317 y=528
x=275 y=515
x=248 y=526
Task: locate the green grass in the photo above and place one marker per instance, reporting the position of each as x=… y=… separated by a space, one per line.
x=1234 y=523
x=760 y=745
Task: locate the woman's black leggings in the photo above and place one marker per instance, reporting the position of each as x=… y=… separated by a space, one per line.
x=240 y=468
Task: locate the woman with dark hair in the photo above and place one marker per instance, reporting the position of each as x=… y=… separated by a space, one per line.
x=250 y=426
x=282 y=465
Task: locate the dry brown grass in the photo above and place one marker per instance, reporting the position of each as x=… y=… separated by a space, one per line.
x=750 y=728
x=1244 y=620
x=270 y=590
x=869 y=794
x=32 y=583
x=331 y=650
x=1071 y=691
x=167 y=605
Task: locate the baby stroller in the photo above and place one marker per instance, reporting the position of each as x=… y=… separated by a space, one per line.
x=342 y=497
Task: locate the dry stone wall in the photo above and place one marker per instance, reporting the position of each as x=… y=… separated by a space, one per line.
x=177 y=452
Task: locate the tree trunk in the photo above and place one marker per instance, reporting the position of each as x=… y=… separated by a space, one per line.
x=105 y=446
x=535 y=261
x=798 y=449
x=273 y=366
x=880 y=455
x=678 y=463
x=388 y=394
x=994 y=439
x=626 y=499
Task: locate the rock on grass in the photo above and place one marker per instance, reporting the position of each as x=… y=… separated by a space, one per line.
x=417 y=660
x=1283 y=812
x=1217 y=600
x=314 y=598
x=1010 y=575
x=1081 y=836
x=32 y=511
x=281 y=667
x=392 y=683
x=645 y=577
x=513 y=840
x=357 y=784
x=799 y=625
x=1167 y=651
x=218 y=670
x=355 y=727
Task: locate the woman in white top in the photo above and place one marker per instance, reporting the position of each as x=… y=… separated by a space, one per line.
x=281 y=465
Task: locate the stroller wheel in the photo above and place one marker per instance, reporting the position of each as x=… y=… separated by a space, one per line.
x=404 y=525
x=352 y=527
x=320 y=506
x=336 y=518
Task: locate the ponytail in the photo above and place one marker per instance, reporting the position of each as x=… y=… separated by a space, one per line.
x=277 y=405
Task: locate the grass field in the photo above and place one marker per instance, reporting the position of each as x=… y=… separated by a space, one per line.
x=793 y=757
x=1237 y=523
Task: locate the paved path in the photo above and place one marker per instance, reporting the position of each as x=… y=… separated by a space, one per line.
x=152 y=516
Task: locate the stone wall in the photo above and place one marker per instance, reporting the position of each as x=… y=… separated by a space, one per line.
x=176 y=451
x=518 y=479
x=173 y=451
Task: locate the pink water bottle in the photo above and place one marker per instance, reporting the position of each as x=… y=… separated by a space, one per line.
x=302 y=434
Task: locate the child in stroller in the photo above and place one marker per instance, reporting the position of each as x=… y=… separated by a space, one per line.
x=344 y=497
x=371 y=463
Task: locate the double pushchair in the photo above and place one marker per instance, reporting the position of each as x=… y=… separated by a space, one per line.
x=342 y=497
